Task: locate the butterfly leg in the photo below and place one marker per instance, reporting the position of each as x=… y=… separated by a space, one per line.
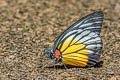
x=54 y=63
x=65 y=66
x=55 y=68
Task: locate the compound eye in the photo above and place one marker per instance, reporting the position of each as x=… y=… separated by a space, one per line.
x=51 y=56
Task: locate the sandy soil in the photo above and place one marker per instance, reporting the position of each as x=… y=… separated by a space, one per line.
x=27 y=27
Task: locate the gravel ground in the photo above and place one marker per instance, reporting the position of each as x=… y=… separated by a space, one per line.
x=27 y=27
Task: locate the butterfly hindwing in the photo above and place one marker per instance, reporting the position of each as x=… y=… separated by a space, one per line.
x=80 y=44
x=81 y=47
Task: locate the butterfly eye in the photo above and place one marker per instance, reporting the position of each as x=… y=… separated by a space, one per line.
x=51 y=56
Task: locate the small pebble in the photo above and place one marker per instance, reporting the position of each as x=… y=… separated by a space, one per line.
x=110 y=73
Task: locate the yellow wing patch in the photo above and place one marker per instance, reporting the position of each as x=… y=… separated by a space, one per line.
x=77 y=56
x=59 y=46
x=74 y=62
x=84 y=51
x=69 y=46
x=75 y=59
x=74 y=48
x=73 y=53
x=65 y=44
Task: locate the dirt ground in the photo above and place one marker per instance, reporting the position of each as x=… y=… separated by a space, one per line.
x=27 y=27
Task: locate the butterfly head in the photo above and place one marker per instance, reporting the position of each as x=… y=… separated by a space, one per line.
x=49 y=52
x=53 y=55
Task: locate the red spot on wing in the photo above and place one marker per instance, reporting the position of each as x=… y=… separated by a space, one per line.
x=57 y=54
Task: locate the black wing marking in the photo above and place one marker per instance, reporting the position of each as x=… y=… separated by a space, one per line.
x=92 y=22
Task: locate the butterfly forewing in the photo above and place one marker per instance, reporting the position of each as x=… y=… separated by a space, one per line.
x=91 y=22
x=80 y=44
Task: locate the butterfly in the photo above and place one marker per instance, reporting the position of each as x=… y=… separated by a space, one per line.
x=80 y=44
